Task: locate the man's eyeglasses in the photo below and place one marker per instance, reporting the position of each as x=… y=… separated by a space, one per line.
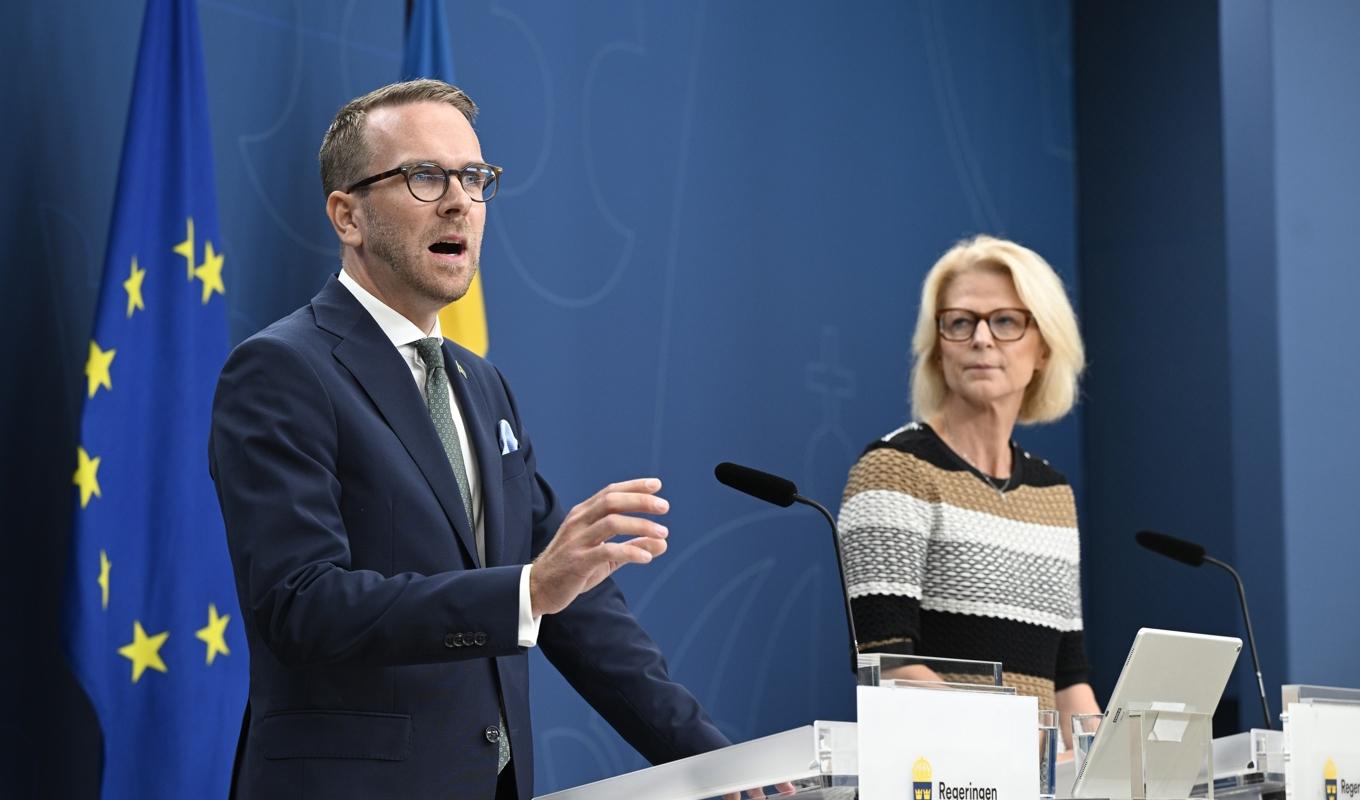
x=429 y=182
x=1005 y=324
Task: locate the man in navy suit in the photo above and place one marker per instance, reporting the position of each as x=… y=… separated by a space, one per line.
x=396 y=550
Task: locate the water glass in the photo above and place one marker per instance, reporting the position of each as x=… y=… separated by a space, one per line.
x=1083 y=733
x=1048 y=754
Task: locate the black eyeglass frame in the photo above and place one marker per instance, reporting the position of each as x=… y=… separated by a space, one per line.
x=976 y=317
x=405 y=171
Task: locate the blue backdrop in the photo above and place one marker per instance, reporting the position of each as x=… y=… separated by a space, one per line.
x=709 y=247
x=709 y=244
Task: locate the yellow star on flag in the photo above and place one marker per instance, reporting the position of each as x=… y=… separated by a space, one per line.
x=87 y=476
x=144 y=651
x=133 y=287
x=97 y=368
x=215 y=634
x=186 y=249
x=210 y=272
x=104 y=566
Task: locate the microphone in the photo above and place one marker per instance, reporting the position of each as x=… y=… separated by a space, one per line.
x=1194 y=555
x=1171 y=547
x=761 y=485
x=783 y=493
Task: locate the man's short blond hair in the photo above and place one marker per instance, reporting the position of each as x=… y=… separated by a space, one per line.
x=1053 y=390
x=344 y=151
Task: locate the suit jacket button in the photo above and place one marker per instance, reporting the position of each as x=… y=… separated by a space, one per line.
x=493 y=734
x=479 y=639
x=451 y=641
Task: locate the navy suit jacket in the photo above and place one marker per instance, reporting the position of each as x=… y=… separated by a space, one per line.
x=378 y=643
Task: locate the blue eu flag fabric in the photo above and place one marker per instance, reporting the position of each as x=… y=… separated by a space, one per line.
x=427 y=53
x=151 y=620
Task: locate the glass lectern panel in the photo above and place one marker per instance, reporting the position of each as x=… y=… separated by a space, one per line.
x=1305 y=693
x=821 y=760
x=884 y=669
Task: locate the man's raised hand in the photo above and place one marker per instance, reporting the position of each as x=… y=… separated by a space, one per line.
x=581 y=553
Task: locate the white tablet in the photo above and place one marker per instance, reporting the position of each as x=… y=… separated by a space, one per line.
x=1169 y=671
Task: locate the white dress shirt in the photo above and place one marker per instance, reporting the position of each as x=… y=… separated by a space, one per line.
x=404 y=334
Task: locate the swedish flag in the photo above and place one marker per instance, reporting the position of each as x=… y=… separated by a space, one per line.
x=150 y=620
x=428 y=55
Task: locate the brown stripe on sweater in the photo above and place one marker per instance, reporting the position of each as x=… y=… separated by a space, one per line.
x=886 y=469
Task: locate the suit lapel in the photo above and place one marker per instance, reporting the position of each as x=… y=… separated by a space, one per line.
x=370 y=357
x=478 y=422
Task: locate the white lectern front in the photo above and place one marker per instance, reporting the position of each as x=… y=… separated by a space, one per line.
x=821 y=760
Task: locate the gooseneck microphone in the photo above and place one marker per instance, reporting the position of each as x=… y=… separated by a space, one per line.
x=1171 y=547
x=783 y=493
x=1194 y=555
x=761 y=485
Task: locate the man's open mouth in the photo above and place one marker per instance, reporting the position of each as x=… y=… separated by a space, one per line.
x=447 y=248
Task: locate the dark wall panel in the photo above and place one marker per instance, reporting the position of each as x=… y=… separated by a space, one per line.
x=1154 y=294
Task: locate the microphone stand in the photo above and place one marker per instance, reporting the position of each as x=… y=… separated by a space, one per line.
x=1251 y=637
x=845 y=584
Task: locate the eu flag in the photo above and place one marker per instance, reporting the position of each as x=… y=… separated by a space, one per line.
x=428 y=55
x=151 y=617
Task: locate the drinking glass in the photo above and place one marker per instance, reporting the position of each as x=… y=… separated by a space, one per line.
x=1048 y=754
x=1083 y=733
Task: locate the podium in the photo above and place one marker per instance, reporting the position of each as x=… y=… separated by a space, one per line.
x=1319 y=750
x=821 y=760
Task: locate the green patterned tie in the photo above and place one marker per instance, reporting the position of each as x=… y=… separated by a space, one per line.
x=431 y=352
x=437 y=400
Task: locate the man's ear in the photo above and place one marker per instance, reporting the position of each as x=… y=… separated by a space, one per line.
x=344 y=212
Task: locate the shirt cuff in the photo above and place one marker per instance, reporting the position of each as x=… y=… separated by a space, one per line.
x=528 y=623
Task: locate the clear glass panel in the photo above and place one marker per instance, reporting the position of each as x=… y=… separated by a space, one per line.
x=952 y=672
x=1304 y=693
x=821 y=760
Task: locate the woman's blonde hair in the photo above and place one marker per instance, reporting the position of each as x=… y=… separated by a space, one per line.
x=1053 y=390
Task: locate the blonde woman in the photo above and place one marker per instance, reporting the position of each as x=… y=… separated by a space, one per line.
x=958 y=543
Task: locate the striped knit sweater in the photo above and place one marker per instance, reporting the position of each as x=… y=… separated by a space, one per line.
x=940 y=563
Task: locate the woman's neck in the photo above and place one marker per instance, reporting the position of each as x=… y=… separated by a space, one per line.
x=981 y=436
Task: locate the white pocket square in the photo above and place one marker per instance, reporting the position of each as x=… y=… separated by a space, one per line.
x=509 y=443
